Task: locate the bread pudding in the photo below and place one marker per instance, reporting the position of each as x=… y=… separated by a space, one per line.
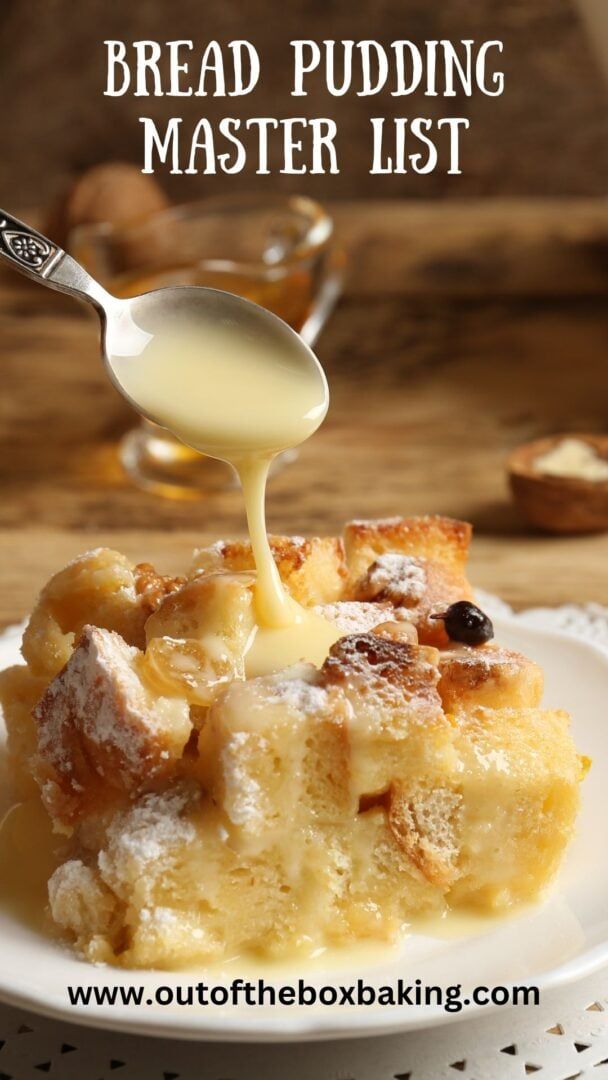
x=208 y=812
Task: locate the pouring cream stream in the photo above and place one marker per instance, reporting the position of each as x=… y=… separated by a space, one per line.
x=234 y=395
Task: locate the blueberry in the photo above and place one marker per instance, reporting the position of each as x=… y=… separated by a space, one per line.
x=467 y=623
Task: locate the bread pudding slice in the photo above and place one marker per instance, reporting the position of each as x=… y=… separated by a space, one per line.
x=208 y=813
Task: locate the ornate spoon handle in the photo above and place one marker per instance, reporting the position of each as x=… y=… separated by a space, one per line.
x=26 y=249
x=35 y=255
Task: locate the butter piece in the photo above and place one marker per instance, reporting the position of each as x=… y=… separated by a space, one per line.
x=574 y=458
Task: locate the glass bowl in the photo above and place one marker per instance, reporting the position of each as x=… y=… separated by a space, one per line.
x=277 y=251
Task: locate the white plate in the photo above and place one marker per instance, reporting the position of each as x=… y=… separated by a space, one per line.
x=555 y=943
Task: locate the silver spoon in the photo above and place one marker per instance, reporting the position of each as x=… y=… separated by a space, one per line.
x=128 y=325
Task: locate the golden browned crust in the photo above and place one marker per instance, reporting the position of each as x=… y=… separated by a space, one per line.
x=424 y=822
x=488 y=675
x=438 y=587
x=440 y=539
x=368 y=659
x=369 y=655
x=100 y=587
x=153 y=587
x=314 y=570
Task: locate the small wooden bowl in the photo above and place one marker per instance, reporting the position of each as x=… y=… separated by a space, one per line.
x=559 y=504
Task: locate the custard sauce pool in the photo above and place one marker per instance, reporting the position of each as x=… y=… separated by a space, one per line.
x=26 y=829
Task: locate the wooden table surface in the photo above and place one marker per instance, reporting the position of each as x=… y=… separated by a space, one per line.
x=463 y=331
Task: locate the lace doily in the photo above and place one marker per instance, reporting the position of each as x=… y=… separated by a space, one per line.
x=587 y=621
x=564 y=1038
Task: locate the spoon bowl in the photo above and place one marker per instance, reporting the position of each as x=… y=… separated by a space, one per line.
x=226 y=363
x=196 y=346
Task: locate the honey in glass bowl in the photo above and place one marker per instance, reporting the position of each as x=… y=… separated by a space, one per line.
x=275 y=251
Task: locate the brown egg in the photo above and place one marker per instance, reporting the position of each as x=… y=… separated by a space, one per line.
x=116 y=193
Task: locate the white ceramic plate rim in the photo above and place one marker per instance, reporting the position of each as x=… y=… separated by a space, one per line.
x=281 y=1025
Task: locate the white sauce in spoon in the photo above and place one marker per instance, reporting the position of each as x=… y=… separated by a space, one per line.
x=241 y=397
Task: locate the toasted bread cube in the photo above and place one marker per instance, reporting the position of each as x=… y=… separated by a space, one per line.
x=417 y=588
x=425 y=820
x=127 y=906
x=519 y=780
x=396 y=726
x=439 y=539
x=385 y=886
x=274 y=748
x=198 y=638
x=492 y=830
x=101 y=730
x=488 y=675
x=101 y=588
x=313 y=570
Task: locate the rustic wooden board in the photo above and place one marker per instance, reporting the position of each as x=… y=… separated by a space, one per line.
x=498 y=247
x=430 y=392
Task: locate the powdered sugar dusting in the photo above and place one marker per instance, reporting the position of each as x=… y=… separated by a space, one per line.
x=207 y=559
x=77 y=897
x=389 y=673
x=243 y=795
x=484 y=658
x=300 y=695
x=399 y=578
x=72 y=875
x=375 y=522
x=160 y=920
x=354 y=617
x=100 y=693
x=217 y=548
x=149 y=832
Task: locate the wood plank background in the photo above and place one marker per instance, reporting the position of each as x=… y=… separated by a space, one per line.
x=463 y=330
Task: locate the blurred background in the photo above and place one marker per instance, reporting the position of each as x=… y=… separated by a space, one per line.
x=459 y=318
